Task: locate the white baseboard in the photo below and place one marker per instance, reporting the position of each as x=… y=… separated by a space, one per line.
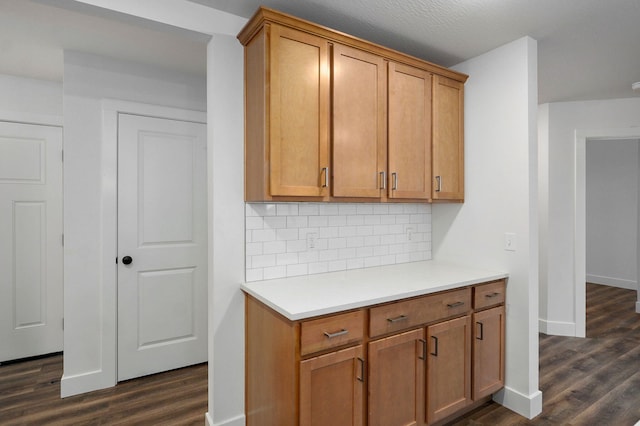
x=612 y=282
x=85 y=382
x=235 y=421
x=527 y=406
x=557 y=328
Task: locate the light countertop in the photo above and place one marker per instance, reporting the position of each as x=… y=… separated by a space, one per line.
x=311 y=295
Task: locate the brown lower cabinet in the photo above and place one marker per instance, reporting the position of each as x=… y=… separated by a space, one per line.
x=332 y=387
x=448 y=368
x=417 y=361
x=396 y=379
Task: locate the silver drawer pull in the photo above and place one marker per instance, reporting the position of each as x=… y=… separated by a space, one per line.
x=455 y=304
x=398 y=319
x=336 y=334
x=491 y=295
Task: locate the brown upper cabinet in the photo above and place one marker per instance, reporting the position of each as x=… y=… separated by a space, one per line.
x=330 y=117
x=409 y=132
x=448 y=139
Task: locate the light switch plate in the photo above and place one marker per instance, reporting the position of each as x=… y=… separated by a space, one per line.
x=510 y=241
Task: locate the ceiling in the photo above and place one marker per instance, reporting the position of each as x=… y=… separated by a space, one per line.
x=587 y=49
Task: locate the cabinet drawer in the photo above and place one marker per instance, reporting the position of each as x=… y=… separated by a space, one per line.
x=410 y=313
x=490 y=294
x=330 y=332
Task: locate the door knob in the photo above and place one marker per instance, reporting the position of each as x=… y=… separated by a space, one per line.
x=127 y=260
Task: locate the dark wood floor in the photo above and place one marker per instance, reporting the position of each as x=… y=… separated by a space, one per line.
x=30 y=395
x=592 y=381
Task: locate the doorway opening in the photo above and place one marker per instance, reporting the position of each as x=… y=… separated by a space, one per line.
x=580 y=210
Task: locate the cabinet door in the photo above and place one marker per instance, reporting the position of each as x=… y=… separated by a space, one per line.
x=409 y=144
x=331 y=389
x=488 y=352
x=299 y=113
x=396 y=380
x=359 y=146
x=448 y=139
x=448 y=367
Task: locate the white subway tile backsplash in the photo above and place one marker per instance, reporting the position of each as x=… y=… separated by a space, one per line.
x=287 y=209
x=275 y=222
x=297 y=270
x=255 y=222
x=372 y=261
x=297 y=221
x=337 y=220
x=326 y=255
x=261 y=235
x=355 y=241
x=355 y=263
x=347 y=253
x=293 y=239
x=263 y=260
x=318 y=268
x=274 y=272
x=273 y=247
x=287 y=259
x=337 y=265
x=347 y=209
x=328 y=209
x=363 y=209
x=336 y=243
x=253 y=249
x=287 y=234
x=372 y=219
x=354 y=220
x=308 y=209
x=318 y=221
x=254 y=274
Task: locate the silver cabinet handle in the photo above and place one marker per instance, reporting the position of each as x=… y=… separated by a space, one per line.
x=336 y=334
x=398 y=319
x=383 y=180
x=394 y=181
x=454 y=305
x=439 y=181
x=491 y=295
x=326 y=177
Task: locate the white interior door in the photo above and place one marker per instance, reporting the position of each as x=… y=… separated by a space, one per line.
x=30 y=240
x=162 y=229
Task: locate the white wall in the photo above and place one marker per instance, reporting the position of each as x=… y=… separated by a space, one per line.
x=564 y=128
x=30 y=100
x=612 y=212
x=89 y=293
x=501 y=196
x=225 y=80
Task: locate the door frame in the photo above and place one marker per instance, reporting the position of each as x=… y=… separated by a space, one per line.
x=580 y=215
x=111 y=108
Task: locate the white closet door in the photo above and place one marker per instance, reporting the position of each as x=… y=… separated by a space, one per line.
x=162 y=245
x=31 y=261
